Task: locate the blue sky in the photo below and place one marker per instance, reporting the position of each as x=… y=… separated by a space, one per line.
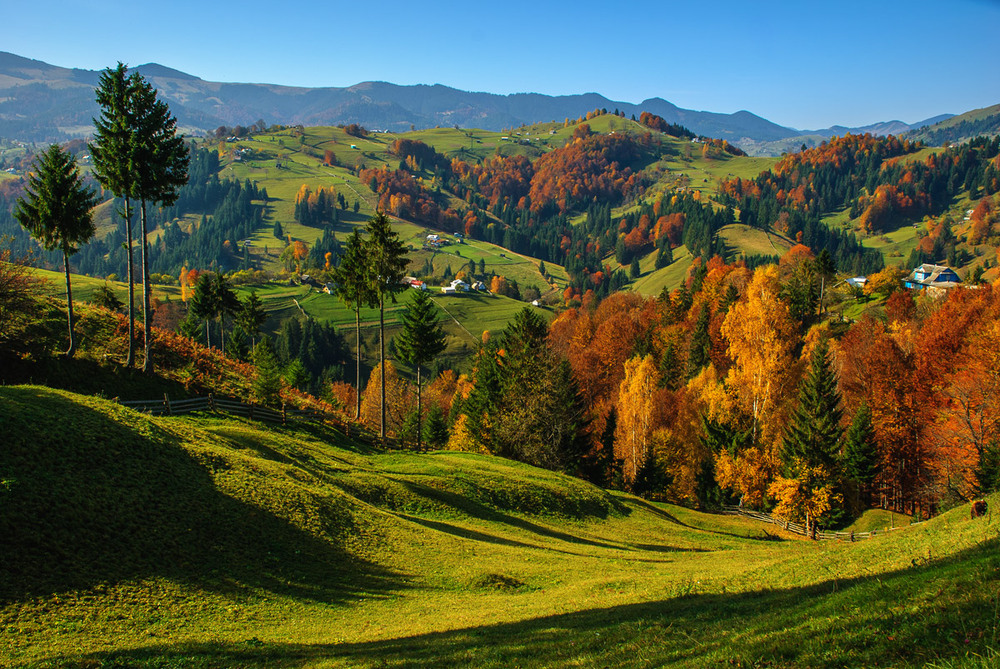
x=803 y=64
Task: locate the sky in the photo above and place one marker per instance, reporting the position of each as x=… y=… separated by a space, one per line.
x=806 y=65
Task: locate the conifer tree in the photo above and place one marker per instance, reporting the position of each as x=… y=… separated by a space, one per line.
x=161 y=168
x=111 y=156
x=813 y=435
x=355 y=290
x=387 y=261
x=202 y=304
x=420 y=341
x=860 y=460
x=56 y=211
x=250 y=317
x=701 y=343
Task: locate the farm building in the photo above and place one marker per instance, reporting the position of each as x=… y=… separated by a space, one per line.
x=932 y=276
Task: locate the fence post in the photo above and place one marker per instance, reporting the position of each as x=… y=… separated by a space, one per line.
x=166 y=400
x=284 y=414
x=250 y=412
x=211 y=402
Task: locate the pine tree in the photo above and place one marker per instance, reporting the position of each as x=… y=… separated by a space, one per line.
x=111 y=155
x=250 y=317
x=56 y=211
x=202 y=304
x=421 y=339
x=267 y=385
x=387 y=261
x=354 y=289
x=860 y=459
x=813 y=435
x=161 y=168
x=436 y=428
x=701 y=343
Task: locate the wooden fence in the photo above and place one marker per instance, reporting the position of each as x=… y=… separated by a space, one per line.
x=798 y=528
x=168 y=407
x=234 y=407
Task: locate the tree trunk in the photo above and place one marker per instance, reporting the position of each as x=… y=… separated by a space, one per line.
x=130 y=358
x=381 y=360
x=69 y=303
x=420 y=445
x=147 y=363
x=357 y=364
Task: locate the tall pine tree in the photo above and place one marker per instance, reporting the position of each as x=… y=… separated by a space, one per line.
x=421 y=340
x=813 y=435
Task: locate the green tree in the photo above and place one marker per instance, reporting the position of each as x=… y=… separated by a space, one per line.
x=111 y=156
x=814 y=434
x=436 y=428
x=161 y=168
x=701 y=343
x=355 y=291
x=860 y=459
x=421 y=340
x=250 y=317
x=203 y=304
x=267 y=385
x=387 y=261
x=56 y=211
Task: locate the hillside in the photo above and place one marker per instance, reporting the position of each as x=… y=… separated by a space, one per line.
x=205 y=541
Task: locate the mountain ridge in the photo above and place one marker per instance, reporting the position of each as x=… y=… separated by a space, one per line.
x=44 y=102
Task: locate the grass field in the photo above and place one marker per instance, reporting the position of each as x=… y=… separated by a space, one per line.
x=205 y=542
x=652 y=281
x=745 y=240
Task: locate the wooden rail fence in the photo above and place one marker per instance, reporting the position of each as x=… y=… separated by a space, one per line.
x=168 y=407
x=798 y=528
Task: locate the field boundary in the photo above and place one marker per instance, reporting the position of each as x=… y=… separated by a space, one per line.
x=168 y=407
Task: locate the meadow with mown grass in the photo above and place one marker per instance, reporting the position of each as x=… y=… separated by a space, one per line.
x=208 y=541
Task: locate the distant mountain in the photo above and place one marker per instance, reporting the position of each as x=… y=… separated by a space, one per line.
x=42 y=102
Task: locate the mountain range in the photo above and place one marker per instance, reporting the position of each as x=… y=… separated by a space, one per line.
x=42 y=102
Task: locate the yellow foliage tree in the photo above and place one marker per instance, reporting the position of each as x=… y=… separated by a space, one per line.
x=808 y=497
x=398 y=399
x=635 y=414
x=761 y=336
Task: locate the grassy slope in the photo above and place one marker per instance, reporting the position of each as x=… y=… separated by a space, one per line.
x=207 y=542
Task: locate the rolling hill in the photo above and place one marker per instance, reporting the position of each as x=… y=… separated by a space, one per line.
x=209 y=541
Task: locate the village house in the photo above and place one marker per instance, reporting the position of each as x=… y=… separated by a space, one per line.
x=932 y=276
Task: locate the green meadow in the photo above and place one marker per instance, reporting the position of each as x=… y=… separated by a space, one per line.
x=207 y=541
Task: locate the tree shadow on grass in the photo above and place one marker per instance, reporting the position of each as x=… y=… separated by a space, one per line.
x=469 y=505
x=855 y=622
x=102 y=496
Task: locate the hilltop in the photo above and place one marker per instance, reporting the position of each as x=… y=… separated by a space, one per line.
x=208 y=541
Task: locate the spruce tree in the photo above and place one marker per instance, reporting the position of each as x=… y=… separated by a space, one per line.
x=387 y=262
x=420 y=341
x=860 y=459
x=56 y=211
x=161 y=168
x=701 y=343
x=813 y=435
x=111 y=156
x=355 y=290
